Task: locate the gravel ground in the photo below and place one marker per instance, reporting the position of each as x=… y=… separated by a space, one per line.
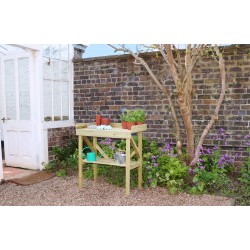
x=64 y=192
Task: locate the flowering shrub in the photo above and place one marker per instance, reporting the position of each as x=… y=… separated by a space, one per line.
x=243 y=196
x=108 y=146
x=213 y=168
x=163 y=168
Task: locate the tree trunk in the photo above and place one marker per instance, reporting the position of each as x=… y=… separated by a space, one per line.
x=188 y=125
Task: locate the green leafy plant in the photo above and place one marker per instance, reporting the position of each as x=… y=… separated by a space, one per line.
x=211 y=175
x=140 y=115
x=61 y=173
x=130 y=116
x=124 y=117
x=243 y=191
x=65 y=159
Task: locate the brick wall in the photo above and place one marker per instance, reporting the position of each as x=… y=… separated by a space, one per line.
x=59 y=137
x=107 y=84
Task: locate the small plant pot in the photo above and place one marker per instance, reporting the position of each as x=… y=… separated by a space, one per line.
x=124 y=125
x=130 y=124
x=139 y=123
x=98 y=120
x=105 y=121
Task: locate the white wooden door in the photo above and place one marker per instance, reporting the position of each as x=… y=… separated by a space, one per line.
x=18 y=104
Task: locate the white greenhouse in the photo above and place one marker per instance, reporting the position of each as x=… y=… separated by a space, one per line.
x=36 y=83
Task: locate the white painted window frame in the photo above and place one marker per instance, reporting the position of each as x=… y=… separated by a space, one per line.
x=70 y=122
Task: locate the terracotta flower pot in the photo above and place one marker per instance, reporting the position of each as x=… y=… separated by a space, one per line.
x=139 y=123
x=130 y=124
x=124 y=125
x=98 y=120
x=105 y=121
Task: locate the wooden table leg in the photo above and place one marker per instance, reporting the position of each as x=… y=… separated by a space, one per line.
x=140 y=160
x=95 y=150
x=80 y=163
x=127 y=166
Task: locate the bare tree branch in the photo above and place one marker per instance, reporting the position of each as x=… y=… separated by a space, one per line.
x=141 y=61
x=217 y=109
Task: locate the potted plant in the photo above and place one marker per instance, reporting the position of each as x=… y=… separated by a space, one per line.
x=140 y=116
x=123 y=119
x=131 y=119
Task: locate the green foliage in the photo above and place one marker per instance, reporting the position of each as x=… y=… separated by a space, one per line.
x=130 y=116
x=62 y=153
x=140 y=115
x=123 y=117
x=243 y=191
x=137 y=115
x=61 y=173
x=167 y=172
x=162 y=167
x=66 y=159
x=212 y=173
x=108 y=146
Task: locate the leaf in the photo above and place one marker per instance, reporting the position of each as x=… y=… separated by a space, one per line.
x=195 y=179
x=200 y=186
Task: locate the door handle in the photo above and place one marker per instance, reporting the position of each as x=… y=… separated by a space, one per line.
x=3 y=119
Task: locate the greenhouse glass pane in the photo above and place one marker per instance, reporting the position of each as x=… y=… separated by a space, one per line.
x=64 y=70
x=55 y=51
x=24 y=88
x=57 y=101
x=46 y=50
x=10 y=89
x=65 y=100
x=65 y=52
x=47 y=100
x=56 y=70
x=46 y=68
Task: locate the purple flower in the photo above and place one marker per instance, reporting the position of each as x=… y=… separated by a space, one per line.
x=248 y=143
x=149 y=179
x=154 y=157
x=247 y=136
x=216 y=148
x=156 y=164
x=190 y=170
x=236 y=155
x=168 y=147
x=240 y=148
x=112 y=147
x=202 y=167
x=208 y=151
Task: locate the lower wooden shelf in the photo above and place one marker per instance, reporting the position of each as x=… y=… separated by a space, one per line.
x=103 y=161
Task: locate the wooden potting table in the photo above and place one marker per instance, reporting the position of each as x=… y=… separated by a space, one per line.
x=84 y=132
